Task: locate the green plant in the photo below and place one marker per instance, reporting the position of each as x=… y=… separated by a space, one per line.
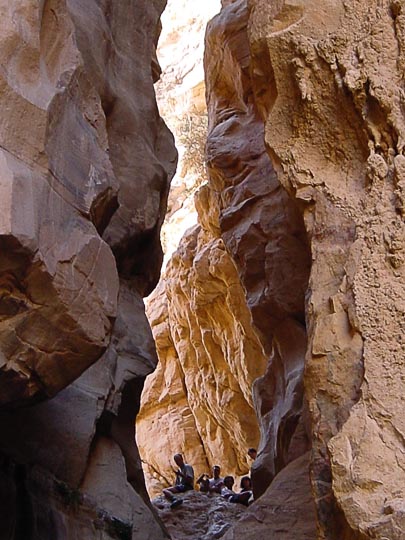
x=192 y=134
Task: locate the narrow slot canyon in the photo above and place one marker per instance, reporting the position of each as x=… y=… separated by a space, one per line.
x=202 y=248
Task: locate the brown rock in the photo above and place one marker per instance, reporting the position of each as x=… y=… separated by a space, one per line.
x=246 y=260
x=69 y=449
x=286 y=511
x=73 y=143
x=329 y=79
x=279 y=396
x=86 y=163
x=263 y=231
x=199 y=400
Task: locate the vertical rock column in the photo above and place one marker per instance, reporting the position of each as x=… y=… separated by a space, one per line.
x=264 y=233
x=329 y=77
x=85 y=163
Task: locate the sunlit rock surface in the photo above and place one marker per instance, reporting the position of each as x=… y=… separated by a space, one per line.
x=86 y=163
x=264 y=233
x=180 y=94
x=199 y=399
x=329 y=78
x=232 y=298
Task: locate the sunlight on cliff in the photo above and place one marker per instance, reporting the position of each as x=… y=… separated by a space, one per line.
x=180 y=94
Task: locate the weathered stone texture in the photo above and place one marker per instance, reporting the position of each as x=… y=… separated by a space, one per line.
x=232 y=298
x=199 y=399
x=74 y=142
x=327 y=81
x=86 y=163
x=76 y=453
x=203 y=516
x=286 y=511
x=329 y=78
x=263 y=231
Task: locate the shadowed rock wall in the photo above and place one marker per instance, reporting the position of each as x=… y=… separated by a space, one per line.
x=86 y=164
x=263 y=232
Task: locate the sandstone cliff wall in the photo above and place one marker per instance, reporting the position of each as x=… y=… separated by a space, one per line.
x=232 y=298
x=86 y=163
x=329 y=80
x=199 y=399
x=316 y=235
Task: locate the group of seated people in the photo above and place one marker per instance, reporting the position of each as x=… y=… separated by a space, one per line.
x=216 y=484
x=224 y=486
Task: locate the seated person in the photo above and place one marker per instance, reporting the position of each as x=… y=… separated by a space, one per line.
x=211 y=485
x=252 y=453
x=245 y=484
x=184 y=481
x=231 y=496
x=246 y=487
x=226 y=490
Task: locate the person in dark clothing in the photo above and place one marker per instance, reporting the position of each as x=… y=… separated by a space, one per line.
x=245 y=484
x=231 y=496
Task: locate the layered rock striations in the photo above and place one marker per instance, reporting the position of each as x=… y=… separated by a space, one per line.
x=199 y=400
x=329 y=80
x=73 y=143
x=263 y=232
x=86 y=163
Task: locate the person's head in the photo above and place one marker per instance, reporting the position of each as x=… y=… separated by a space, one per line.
x=216 y=471
x=252 y=453
x=178 y=459
x=229 y=481
x=246 y=483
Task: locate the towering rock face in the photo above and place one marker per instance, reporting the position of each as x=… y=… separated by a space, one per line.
x=73 y=143
x=232 y=299
x=329 y=80
x=180 y=93
x=86 y=163
x=323 y=86
x=263 y=232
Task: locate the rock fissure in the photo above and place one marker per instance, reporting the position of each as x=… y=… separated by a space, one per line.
x=278 y=320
